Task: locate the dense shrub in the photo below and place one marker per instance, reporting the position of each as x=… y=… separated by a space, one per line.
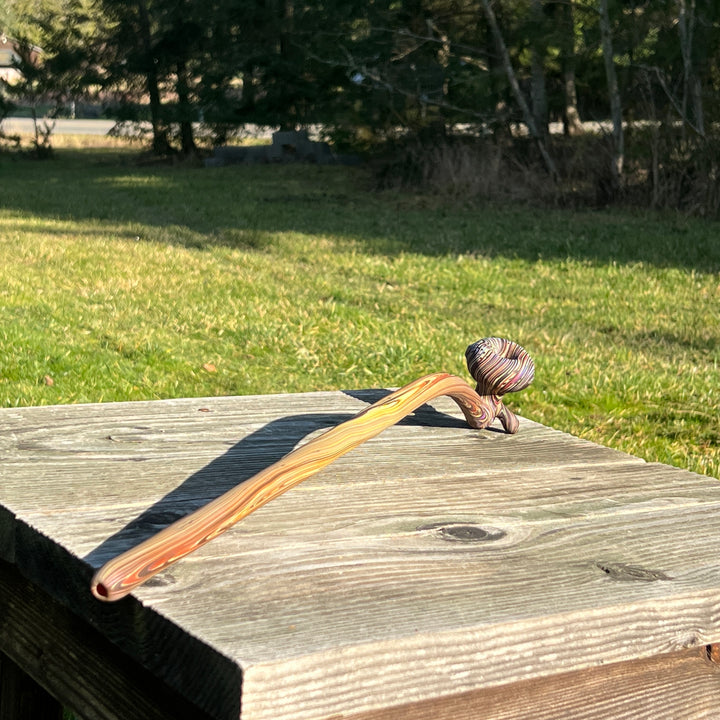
x=662 y=170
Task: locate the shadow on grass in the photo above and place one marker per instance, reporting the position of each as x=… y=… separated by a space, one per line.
x=244 y=206
x=254 y=453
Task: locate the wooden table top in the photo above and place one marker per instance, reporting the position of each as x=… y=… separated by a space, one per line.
x=432 y=561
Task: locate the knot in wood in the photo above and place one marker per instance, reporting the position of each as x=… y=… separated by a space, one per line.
x=464 y=532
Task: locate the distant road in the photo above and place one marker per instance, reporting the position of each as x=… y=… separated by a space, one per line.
x=63 y=126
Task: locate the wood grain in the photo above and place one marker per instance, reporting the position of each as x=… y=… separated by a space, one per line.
x=678 y=686
x=432 y=562
x=75 y=663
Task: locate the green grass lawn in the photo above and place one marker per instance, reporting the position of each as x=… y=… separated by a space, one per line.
x=124 y=282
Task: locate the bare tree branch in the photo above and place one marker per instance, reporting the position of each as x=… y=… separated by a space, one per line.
x=517 y=93
x=678 y=106
x=614 y=94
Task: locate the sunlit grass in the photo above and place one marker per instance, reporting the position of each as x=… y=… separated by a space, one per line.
x=126 y=282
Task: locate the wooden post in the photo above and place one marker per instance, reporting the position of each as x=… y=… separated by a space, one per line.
x=436 y=572
x=21 y=698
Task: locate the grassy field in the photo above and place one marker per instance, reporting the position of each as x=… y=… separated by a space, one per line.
x=123 y=281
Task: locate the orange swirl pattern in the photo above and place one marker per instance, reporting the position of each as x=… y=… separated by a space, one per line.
x=121 y=575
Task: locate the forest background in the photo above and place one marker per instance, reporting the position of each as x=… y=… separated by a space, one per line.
x=482 y=97
x=500 y=140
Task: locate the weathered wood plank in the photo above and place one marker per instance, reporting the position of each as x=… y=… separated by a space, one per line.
x=83 y=467
x=207 y=680
x=74 y=663
x=21 y=698
x=433 y=560
x=678 y=686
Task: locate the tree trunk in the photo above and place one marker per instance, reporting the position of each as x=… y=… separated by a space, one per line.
x=517 y=93
x=287 y=16
x=697 y=103
x=614 y=95
x=248 y=89
x=691 y=83
x=160 y=144
x=187 y=140
x=572 y=125
x=538 y=93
